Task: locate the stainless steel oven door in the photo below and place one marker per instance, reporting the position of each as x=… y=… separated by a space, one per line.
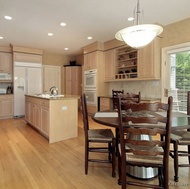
x=91 y=97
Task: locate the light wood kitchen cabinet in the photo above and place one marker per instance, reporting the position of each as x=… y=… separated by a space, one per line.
x=37 y=114
x=149 y=61
x=45 y=116
x=106 y=104
x=6 y=62
x=54 y=120
x=90 y=60
x=132 y=64
x=73 y=80
x=6 y=106
x=109 y=58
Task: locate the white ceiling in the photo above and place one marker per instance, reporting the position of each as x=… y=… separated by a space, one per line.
x=101 y=19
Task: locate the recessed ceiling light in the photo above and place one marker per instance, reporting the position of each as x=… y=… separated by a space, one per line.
x=1 y=37
x=89 y=37
x=63 y=24
x=50 y=34
x=66 y=49
x=130 y=19
x=8 y=17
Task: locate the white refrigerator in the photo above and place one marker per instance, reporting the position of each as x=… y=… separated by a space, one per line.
x=27 y=80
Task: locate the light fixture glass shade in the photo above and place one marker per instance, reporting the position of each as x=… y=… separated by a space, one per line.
x=138 y=36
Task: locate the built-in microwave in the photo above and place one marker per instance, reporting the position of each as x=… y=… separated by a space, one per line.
x=5 y=76
x=90 y=79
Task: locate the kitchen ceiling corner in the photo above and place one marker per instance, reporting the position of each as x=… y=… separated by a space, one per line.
x=32 y=20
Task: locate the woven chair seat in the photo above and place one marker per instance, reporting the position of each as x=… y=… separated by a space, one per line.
x=100 y=135
x=182 y=136
x=146 y=159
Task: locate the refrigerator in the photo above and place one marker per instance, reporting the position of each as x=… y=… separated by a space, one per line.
x=27 y=80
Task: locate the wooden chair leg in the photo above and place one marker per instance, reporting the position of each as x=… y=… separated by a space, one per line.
x=86 y=159
x=113 y=157
x=189 y=153
x=119 y=170
x=176 y=178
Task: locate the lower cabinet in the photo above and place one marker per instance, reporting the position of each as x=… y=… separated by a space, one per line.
x=6 y=106
x=37 y=114
x=45 y=120
x=106 y=104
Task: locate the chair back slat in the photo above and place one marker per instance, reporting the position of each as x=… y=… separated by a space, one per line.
x=131 y=97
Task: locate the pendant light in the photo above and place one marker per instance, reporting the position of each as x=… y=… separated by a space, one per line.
x=139 y=35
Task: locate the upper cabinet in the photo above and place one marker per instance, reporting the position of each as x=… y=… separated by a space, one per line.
x=125 y=63
x=90 y=60
x=149 y=61
x=109 y=57
x=6 y=62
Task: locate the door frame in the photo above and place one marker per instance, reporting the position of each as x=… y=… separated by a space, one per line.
x=165 y=67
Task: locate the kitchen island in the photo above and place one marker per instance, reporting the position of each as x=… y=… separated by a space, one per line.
x=55 y=117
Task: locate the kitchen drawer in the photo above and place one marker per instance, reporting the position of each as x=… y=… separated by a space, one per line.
x=35 y=101
x=3 y=97
x=45 y=103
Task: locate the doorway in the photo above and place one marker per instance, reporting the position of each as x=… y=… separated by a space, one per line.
x=176 y=75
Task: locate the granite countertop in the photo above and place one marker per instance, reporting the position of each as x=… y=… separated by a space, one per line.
x=52 y=97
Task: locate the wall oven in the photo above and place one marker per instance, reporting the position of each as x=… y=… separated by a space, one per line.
x=90 y=79
x=91 y=97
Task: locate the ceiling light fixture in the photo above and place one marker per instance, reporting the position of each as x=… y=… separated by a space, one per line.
x=50 y=34
x=66 y=49
x=8 y=17
x=63 y=24
x=139 y=35
x=1 y=37
x=89 y=38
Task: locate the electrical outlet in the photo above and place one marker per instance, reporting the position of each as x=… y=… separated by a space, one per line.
x=64 y=107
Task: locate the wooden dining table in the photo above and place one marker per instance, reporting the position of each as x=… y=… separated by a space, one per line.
x=110 y=118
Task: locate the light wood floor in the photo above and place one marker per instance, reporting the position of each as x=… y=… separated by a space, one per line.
x=28 y=161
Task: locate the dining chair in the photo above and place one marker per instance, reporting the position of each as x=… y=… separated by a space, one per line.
x=93 y=137
x=131 y=97
x=143 y=119
x=115 y=93
x=181 y=145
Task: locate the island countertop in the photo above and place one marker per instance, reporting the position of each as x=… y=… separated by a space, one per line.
x=52 y=97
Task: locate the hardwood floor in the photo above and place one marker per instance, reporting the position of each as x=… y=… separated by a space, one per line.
x=28 y=161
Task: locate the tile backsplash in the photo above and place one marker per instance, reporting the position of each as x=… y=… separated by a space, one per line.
x=148 y=89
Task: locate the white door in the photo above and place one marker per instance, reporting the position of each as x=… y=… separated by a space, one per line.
x=169 y=81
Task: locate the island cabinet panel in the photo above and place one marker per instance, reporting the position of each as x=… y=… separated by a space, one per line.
x=55 y=118
x=45 y=116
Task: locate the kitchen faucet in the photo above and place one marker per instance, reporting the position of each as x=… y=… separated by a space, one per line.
x=53 y=90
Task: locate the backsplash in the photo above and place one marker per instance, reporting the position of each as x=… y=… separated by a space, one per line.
x=148 y=89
